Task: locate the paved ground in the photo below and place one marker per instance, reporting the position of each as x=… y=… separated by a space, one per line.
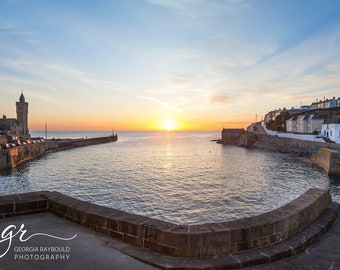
x=89 y=250
x=322 y=255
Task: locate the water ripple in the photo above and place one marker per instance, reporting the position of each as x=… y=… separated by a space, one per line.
x=180 y=177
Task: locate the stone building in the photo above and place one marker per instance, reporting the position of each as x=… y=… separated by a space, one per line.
x=17 y=127
x=231 y=135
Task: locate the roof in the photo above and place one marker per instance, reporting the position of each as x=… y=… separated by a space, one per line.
x=316 y=117
x=306 y=117
x=5 y=124
x=22 y=98
x=294 y=118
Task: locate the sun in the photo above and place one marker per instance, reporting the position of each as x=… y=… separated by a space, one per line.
x=169 y=125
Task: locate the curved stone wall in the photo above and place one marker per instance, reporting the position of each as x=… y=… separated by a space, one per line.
x=210 y=239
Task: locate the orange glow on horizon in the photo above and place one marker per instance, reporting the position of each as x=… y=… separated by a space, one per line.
x=128 y=123
x=163 y=125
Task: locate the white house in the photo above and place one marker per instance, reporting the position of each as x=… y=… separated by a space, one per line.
x=291 y=124
x=308 y=123
x=272 y=115
x=327 y=103
x=331 y=131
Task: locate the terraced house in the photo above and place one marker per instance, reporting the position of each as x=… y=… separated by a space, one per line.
x=327 y=103
x=307 y=124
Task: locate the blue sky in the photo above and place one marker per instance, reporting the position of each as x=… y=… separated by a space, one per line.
x=137 y=64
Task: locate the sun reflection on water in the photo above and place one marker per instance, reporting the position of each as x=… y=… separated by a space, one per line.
x=181 y=177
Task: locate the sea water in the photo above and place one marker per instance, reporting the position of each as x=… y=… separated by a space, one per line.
x=177 y=176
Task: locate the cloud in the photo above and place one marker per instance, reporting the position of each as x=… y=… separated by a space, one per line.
x=201 y=4
x=6 y=26
x=236 y=123
x=178 y=4
x=181 y=81
x=200 y=13
x=164 y=104
x=225 y=56
x=308 y=68
x=221 y=98
x=69 y=81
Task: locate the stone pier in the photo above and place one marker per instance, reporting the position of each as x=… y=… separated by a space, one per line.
x=10 y=158
x=327 y=159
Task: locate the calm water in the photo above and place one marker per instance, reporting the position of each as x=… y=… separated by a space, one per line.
x=181 y=177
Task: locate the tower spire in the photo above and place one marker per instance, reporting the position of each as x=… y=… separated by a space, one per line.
x=22 y=98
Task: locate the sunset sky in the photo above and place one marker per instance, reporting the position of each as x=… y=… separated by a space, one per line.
x=156 y=64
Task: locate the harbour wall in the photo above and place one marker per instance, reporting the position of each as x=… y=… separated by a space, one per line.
x=211 y=239
x=10 y=158
x=285 y=145
x=72 y=143
x=325 y=155
x=327 y=159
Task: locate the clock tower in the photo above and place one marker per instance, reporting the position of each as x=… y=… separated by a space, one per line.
x=22 y=116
